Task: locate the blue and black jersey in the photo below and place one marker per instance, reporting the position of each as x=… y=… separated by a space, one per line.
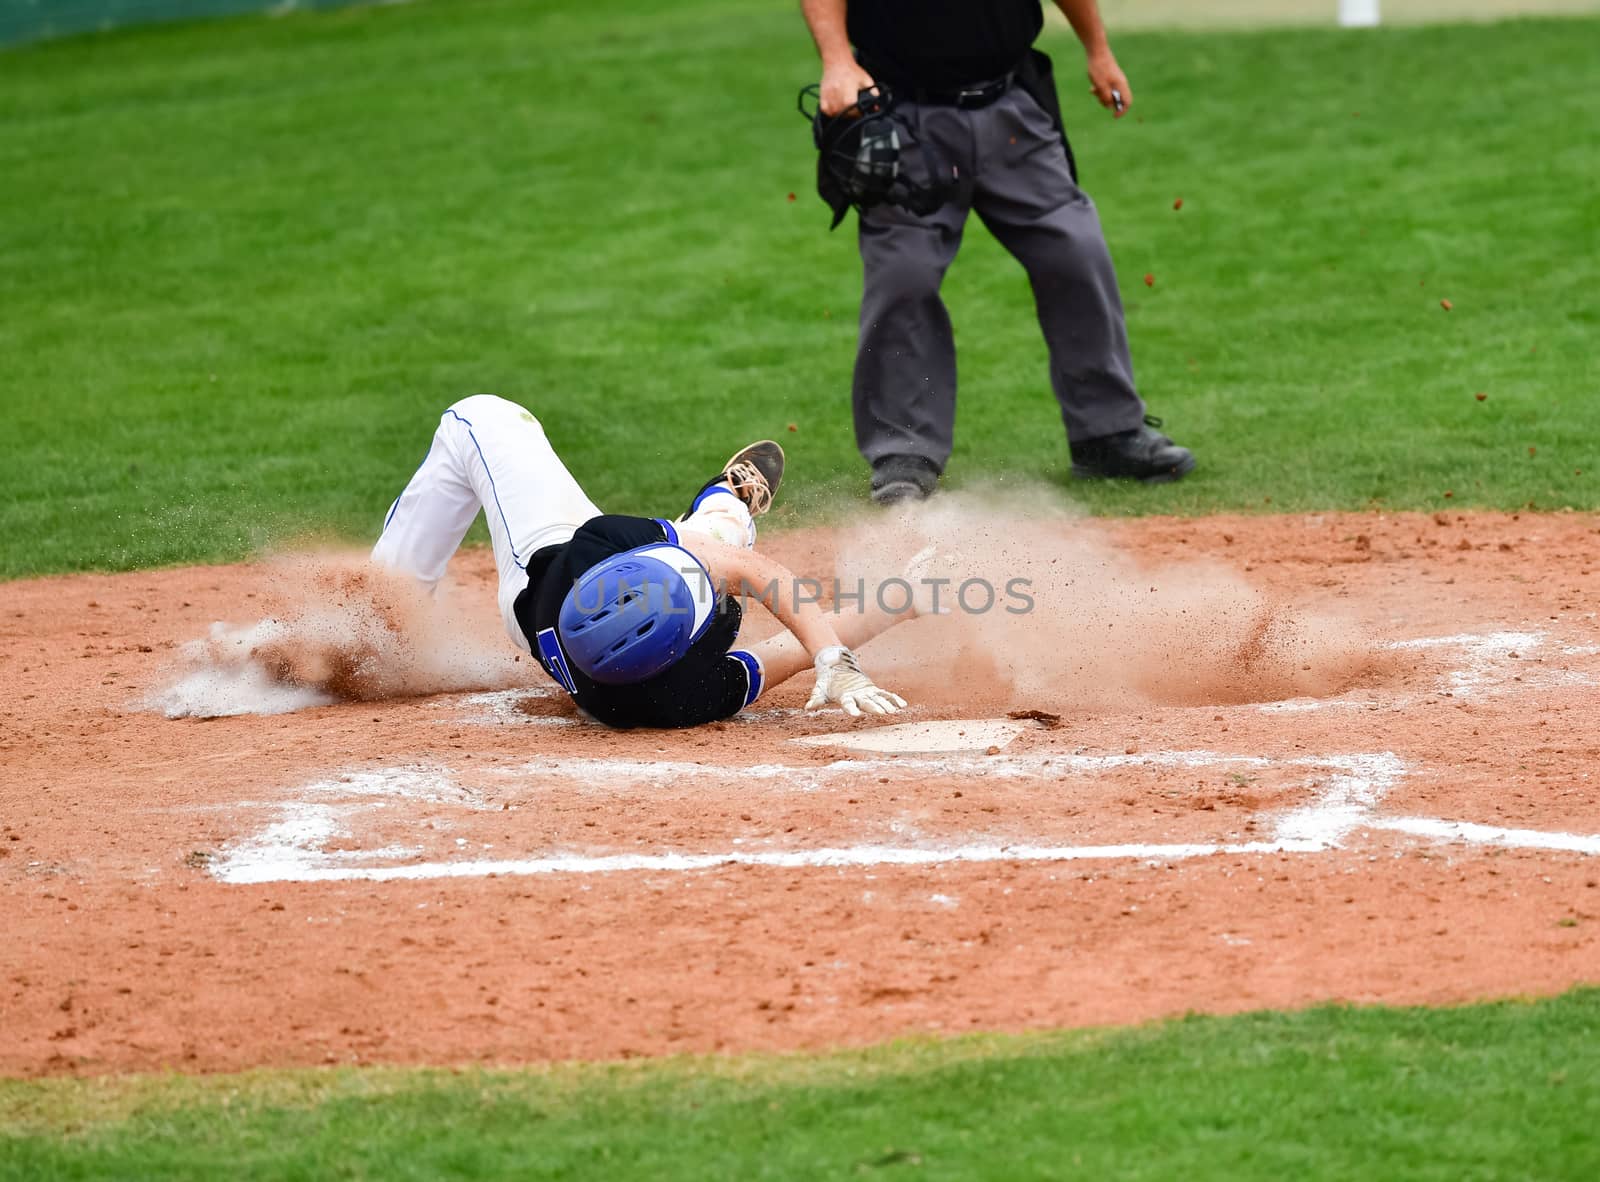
x=707 y=684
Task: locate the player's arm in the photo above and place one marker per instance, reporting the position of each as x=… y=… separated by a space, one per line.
x=1106 y=79
x=843 y=79
x=782 y=656
x=839 y=677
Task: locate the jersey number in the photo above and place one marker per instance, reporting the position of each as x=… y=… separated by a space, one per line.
x=554 y=660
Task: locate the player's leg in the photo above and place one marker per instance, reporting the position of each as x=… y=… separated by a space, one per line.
x=719 y=513
x=426 y=522
x=726 y=506
x=492 y=453
x=904 y=386
x=1027 y=198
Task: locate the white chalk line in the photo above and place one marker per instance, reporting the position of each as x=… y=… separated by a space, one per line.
x=1482 y=652
x=1489 y=656
x=244 y=871
x=831 y=857
x=625 y=772
x=292 y=848
x=1346 y=801
x=416 y=781
x=1528 y=839
x=311 y=827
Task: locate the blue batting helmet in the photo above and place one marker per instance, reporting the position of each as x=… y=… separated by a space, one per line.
x=633 y=615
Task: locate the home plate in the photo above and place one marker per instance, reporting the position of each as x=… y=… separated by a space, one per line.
x=922 y=738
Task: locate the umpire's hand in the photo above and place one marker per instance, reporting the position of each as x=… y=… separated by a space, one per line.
x=842 y=83
x=1109 y=84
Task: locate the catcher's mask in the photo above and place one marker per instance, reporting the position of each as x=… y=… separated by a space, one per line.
x=863 y=156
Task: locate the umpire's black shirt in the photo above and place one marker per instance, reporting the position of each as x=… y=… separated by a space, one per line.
x=941 y=44
x=706 y=684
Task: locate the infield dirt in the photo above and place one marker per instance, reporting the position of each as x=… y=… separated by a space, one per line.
x=1268 y=727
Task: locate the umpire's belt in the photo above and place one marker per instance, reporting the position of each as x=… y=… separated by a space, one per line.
x=968 y=98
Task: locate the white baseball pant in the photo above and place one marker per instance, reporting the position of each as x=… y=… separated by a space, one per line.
x=491 y=454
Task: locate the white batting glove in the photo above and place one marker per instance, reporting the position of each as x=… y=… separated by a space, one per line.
x=839 y=679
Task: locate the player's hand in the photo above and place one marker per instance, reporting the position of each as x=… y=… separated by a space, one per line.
x=1109 y=84
x=839 y=679
x=842 y=84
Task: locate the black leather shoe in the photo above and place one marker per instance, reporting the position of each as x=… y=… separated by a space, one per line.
x=1142 y=454
x=896 y=479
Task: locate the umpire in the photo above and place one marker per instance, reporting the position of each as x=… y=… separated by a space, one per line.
x=964 y=76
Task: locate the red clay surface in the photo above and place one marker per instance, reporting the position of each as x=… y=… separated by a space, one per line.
x=123 y=949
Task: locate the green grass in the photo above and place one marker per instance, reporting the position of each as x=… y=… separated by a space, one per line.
x=1510 y=1090
x=244 y=264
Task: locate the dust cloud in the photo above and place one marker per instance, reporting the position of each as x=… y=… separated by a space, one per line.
x=1043 y=610
x=341 y=629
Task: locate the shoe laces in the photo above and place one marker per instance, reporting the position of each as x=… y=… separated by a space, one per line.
x=750 y=486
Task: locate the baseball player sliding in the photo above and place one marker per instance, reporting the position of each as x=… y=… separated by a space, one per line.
x=635 y=617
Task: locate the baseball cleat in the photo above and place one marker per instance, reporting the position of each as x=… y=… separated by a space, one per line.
x=898 y=479
x=1142 y=454
x=754 y=473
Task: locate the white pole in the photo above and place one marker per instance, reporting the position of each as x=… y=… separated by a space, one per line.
x=1358 y=14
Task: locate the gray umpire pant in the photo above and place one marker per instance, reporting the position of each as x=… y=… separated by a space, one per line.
x=1015 y=175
